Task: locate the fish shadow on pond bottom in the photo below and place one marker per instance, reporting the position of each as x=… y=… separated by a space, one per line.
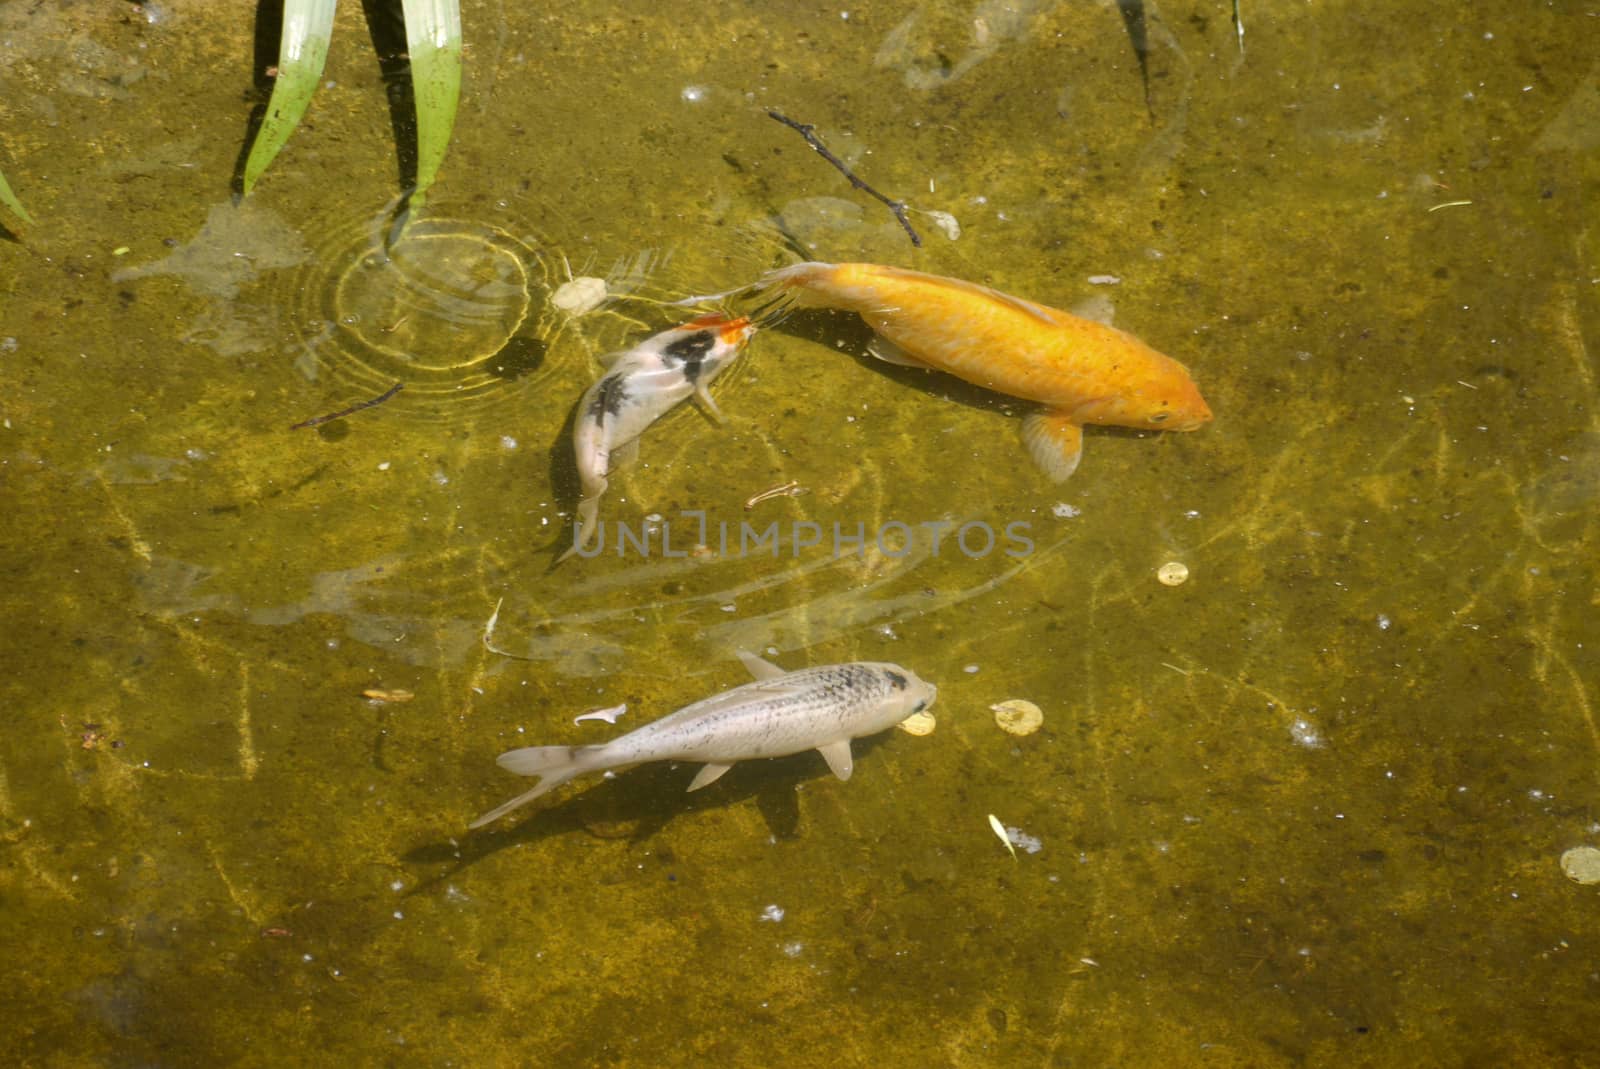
x=639 y=803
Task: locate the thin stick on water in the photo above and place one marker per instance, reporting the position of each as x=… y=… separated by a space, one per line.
x=357 y=407
x=809 y=132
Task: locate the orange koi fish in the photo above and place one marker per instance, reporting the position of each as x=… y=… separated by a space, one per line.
x=1080 y=371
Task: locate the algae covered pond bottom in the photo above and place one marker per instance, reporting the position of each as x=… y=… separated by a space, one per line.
x=1330 y=795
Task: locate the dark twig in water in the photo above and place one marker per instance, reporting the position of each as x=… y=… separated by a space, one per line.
x=357 y=407
x=809 y=132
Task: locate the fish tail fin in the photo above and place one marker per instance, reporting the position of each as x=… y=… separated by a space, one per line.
x=799 y=281
x=1054 y=442
x=554 y=765
x=588 y=523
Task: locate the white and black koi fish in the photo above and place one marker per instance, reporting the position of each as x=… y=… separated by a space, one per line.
x=642 y=385
x=781 y=713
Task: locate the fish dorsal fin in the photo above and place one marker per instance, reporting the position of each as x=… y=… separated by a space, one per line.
x=1054 y=442
x=837 y=754
x=759 y=667
x=707 y=775
x=1048 y=316
x=890 y=353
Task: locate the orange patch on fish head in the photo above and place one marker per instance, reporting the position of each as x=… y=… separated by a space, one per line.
x=736 y=331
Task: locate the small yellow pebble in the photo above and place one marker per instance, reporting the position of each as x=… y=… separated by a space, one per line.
x=921 y=723
x=1582 y=864
x=1017 y=717
x=1173 y=573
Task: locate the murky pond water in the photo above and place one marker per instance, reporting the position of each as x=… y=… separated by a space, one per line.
x=1309 y=804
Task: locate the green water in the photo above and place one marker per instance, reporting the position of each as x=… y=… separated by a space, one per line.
x=1306 y=808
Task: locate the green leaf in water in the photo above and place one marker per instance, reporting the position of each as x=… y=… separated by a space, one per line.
x=307 y=27
x=9 y=199
x=433 y=37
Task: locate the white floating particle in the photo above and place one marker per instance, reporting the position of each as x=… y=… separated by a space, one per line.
x=773 y=913
x=694 y=94
x=1063 y=511
x=1004 y=836
x=1306 y=734
x=1103 y=280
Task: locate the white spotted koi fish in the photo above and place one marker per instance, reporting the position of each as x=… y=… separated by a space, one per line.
x=1079 y=371
x=641 y=386
x=781 y=713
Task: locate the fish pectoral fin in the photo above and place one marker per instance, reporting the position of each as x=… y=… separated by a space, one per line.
x=890 y=353
x=759 y=667
x=837 y=754
x=703 y=395
x=623 y=456
x=707 y=775
x=1054 y=442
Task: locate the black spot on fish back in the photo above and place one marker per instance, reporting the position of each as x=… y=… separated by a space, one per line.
x=608 y=398
x=691 y=350
x=897 y=681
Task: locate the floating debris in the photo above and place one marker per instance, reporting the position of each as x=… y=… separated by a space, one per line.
x=359 y=406
x=947 y=223
x=788 y=489
x=1173 y=573
x=609 y=714
x=395 y=695
x=1000 y=830
x=1017 y=716
x=1306 y=734
x=921 y=723
x=580 y=295
x=1582 y=864
x=809 y=132
x=1031 y=844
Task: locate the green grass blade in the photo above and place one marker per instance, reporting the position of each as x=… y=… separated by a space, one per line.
x=9 y=199
x=307 y=27
x=433 y=37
